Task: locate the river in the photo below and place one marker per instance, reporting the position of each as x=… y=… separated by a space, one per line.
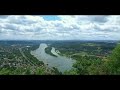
x=60 y=62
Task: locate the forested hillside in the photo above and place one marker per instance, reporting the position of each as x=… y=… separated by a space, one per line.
x=93 y=66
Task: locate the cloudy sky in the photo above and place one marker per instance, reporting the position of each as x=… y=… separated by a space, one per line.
x=59 y=27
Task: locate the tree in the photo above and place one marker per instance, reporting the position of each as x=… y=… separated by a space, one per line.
x=71 y=72
x=56 y=71
x=114 y=63
x=4 y=71
x=116 y=54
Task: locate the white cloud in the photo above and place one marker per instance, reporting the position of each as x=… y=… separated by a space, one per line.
x=68 y=27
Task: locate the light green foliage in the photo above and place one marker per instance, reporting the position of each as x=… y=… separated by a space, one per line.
x=40 y=71
x=114 y=61
x=87 y=65
x=71 y=72
x=5 y=71
x=116 y=55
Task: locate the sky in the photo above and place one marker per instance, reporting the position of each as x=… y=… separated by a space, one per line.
x=59 y=27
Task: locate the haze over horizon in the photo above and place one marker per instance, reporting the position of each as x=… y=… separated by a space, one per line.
x=59 y=27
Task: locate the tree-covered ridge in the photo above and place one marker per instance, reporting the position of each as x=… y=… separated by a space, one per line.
x=94 y=66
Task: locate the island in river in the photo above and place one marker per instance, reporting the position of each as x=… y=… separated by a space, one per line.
x=62 y=63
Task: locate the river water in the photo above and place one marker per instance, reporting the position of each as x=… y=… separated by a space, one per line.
x=60 y=62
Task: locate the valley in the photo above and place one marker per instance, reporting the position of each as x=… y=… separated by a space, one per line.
x=54 y=57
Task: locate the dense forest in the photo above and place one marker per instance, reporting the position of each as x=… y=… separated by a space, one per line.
x=93 y=66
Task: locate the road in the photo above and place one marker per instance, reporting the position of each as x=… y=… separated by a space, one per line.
x=20 y=49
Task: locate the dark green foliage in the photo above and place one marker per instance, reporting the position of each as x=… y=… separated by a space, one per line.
x=48 y=51
x=116 y=55
x=56 y=71
x=86 y=65
x=71 y=72
x=114 y=61
x=31 y=58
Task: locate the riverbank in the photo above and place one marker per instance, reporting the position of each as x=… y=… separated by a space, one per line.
x=60 y=62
